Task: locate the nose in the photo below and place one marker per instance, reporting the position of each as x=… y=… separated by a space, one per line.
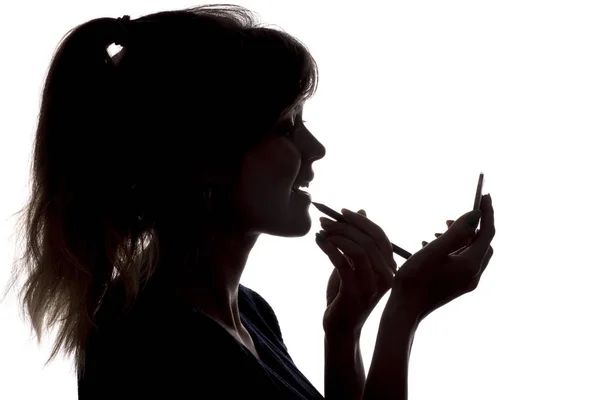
x=315 y=150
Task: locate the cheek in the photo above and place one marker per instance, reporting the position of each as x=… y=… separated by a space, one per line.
x=290 y=160
x=260 y=185
x=268 y=173
x=280 y=164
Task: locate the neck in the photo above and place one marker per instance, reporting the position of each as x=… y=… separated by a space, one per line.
x=211 y=283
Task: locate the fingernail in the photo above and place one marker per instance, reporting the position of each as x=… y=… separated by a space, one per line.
x=320 y=237
x=345 y=211
x=438 y=235
x=473 y=218
x=362 y=212
x=325 y=221
x=424 y=243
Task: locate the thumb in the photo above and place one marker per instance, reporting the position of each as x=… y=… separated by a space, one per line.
x=454 y=238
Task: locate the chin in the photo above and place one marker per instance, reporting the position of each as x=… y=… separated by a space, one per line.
x=297 y=227
x=293 y=231
x=305 y=229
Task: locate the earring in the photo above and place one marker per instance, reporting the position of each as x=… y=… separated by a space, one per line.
x=207 y=197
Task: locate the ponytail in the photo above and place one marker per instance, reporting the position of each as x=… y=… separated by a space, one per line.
x=75 y=222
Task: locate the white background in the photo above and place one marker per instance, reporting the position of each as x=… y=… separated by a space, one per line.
x=415 y=99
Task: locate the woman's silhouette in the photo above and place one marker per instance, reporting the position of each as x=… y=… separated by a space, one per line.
x=156 y=170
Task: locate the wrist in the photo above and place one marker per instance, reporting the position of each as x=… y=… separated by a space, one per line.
x=403 y=311
x=345 y=337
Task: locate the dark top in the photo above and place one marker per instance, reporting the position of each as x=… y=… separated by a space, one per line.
x=163 y=350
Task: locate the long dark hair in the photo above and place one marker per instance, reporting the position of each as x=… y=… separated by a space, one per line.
x=125 y=143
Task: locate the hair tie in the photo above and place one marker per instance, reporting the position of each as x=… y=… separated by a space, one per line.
x=123 y=22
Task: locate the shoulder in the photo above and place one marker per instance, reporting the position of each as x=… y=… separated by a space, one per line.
x=255 y=298
x=128 y=353
x=256 y=301
x=254 y=304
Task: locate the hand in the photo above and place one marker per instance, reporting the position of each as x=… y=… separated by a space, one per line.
x=445 y=268
x=361 y=275
x=449 y=223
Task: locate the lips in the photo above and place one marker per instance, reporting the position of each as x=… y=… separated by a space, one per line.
x=301 y=183
x=297 y=190
x=302 y=193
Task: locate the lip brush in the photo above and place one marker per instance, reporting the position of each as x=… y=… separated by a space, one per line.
x=340 y=218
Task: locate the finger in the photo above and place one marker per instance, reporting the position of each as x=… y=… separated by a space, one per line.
x=484 y=263
x=338 y=260
x=370 y=228
x=377 y=259
x=482 y=241
x=448 y=224
x=467 y=244
x=364 y=272
x=459 y=251
x=361 y=236
x=486 y=258
x=472 y=238
x=456 y=236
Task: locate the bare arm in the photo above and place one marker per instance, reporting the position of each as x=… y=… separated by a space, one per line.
x=388 y=375
x=344 y=369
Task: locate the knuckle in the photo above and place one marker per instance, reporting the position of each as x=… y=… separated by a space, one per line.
x=361 y=255
x=472 y=285
x=330 y=232
x=371 y=245
x=473 y=269
x=380 y=236
x=335 y=227
x=364 y=258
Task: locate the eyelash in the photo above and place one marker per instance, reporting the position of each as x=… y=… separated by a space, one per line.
x=293 y=128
